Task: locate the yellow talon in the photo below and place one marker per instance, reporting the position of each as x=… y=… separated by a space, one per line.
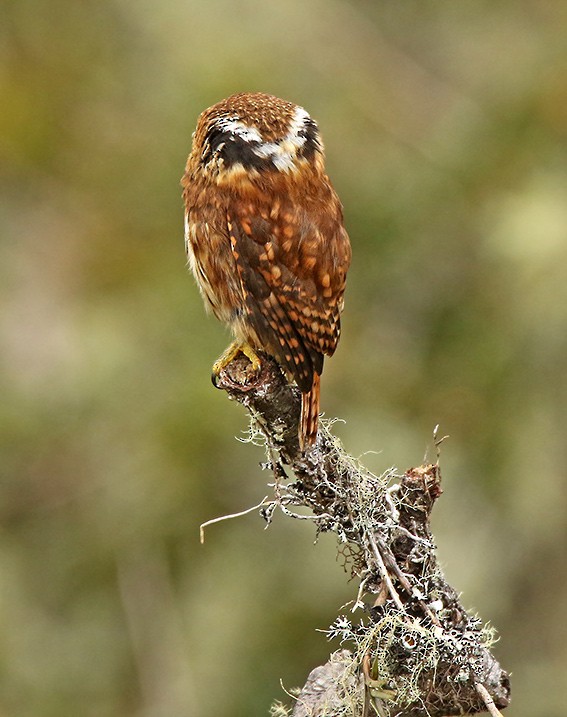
x=252 y=356
x=235 y=348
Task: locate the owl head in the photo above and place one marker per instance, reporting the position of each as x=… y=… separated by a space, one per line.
x=252 y=135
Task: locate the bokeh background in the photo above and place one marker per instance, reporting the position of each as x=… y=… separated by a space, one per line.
x=445 y=125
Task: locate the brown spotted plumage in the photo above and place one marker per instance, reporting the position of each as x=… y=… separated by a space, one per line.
x=265 y=238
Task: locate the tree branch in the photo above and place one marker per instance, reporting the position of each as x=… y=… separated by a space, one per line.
x=415 y=651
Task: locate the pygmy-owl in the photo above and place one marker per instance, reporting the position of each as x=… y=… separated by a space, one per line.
x=265 y=238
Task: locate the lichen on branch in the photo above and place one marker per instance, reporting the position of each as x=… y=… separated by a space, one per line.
x=412 y=650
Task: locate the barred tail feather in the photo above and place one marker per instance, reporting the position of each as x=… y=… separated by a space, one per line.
x=310 y=414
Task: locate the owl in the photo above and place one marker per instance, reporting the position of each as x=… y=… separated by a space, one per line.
x=265 y=238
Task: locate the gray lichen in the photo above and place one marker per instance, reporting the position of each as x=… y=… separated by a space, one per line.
x=413 y=649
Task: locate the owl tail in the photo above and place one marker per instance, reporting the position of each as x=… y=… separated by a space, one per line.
x=310 y=414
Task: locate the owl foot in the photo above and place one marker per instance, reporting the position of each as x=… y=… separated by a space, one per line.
x=235 y=348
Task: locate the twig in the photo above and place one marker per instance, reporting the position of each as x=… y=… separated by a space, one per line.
x=229 y=517
x=487 y=699
x=384 y=573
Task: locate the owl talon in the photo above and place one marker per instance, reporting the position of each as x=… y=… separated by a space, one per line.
x=230 y=354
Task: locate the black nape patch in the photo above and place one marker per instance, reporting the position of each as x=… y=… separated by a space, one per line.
x=311 y=134
x=233 y=149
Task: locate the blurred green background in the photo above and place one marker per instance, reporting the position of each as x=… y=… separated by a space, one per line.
x=445 y=125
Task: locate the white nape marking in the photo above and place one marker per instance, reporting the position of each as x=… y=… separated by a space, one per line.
x=248 y=134
x=300 y=117
x=283 y=153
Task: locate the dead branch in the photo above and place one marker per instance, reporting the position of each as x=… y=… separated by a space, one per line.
x=415 y=651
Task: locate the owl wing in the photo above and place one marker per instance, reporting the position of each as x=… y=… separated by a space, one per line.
x=292 y=277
